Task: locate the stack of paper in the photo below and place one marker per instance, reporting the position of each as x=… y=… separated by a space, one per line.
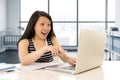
x=4 y=67
x=38 y=66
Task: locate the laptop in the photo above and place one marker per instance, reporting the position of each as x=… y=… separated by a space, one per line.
x=90 y=53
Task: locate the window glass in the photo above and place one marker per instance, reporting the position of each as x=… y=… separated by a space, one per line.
x=91 y=10
x=63 y=10
x=111 y=10
x=29 y=6
x=66 y=33
x=91 y=15
x=92 y=26
x=23 y=25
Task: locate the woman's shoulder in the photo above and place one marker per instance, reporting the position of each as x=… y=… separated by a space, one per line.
x=55 y=41
x=24 y=41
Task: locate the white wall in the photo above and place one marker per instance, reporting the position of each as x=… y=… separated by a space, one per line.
x=3 y=21
x=9 y=14
x=9 y=19
x=118 y=13
x=13 y=14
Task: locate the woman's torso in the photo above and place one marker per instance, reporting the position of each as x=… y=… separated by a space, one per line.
x=47 y=57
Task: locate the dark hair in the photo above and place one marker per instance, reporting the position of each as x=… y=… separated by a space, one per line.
x=29 y=32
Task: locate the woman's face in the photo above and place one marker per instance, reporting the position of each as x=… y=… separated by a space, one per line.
x=42 y=27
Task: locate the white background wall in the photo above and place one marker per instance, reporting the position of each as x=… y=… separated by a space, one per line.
x=9 y=18
x=118 y=13
x=13 y=14
x=9 y=14
x=3 y=21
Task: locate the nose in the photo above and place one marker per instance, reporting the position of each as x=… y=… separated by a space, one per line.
x=46 y=27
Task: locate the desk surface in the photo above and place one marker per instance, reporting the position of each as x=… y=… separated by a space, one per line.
x=110 y=70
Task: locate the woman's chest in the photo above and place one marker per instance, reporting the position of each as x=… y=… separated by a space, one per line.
x=40 y=45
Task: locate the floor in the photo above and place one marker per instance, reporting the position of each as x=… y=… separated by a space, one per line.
x=11 y=56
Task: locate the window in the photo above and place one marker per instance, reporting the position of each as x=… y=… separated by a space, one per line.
x=29 y=6
x=63 y=10
x=111 y=14
x=65 y=21
x=91 y=10
x=69 y=16
x=66 y=33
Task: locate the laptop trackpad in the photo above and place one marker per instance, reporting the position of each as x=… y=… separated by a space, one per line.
x=62 y=66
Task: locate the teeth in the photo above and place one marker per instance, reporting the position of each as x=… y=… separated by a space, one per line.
x=44 y=33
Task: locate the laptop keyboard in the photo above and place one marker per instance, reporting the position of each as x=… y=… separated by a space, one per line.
x=69 y=67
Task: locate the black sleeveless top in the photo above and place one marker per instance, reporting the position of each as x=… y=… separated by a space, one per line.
x=47 y=57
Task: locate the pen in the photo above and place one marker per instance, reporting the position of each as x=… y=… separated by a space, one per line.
x=9 y=71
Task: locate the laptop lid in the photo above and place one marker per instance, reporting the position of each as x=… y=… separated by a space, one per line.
x=91 y=46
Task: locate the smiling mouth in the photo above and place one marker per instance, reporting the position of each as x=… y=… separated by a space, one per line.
x=44 y=33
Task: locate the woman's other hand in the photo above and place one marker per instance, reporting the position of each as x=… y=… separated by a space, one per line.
x=72 y=60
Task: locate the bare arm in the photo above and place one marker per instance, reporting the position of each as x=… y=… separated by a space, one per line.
x=62 y=53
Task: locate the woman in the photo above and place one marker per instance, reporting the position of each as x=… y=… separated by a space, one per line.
x=39 y=43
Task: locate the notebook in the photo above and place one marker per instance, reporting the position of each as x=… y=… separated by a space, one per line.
x=90 y=53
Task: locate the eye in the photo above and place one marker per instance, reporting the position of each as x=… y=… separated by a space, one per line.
x=42 y=24
x=49 y=24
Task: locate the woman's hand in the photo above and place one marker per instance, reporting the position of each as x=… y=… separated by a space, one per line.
x=72 y=60
x=55 y=50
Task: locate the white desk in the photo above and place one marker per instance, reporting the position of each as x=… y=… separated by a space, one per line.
x=110 y=70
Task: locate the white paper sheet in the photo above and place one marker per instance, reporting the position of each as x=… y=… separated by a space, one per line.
x=38 y=66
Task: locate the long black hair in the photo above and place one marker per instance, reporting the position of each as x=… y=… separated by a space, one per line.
x=30 y=32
